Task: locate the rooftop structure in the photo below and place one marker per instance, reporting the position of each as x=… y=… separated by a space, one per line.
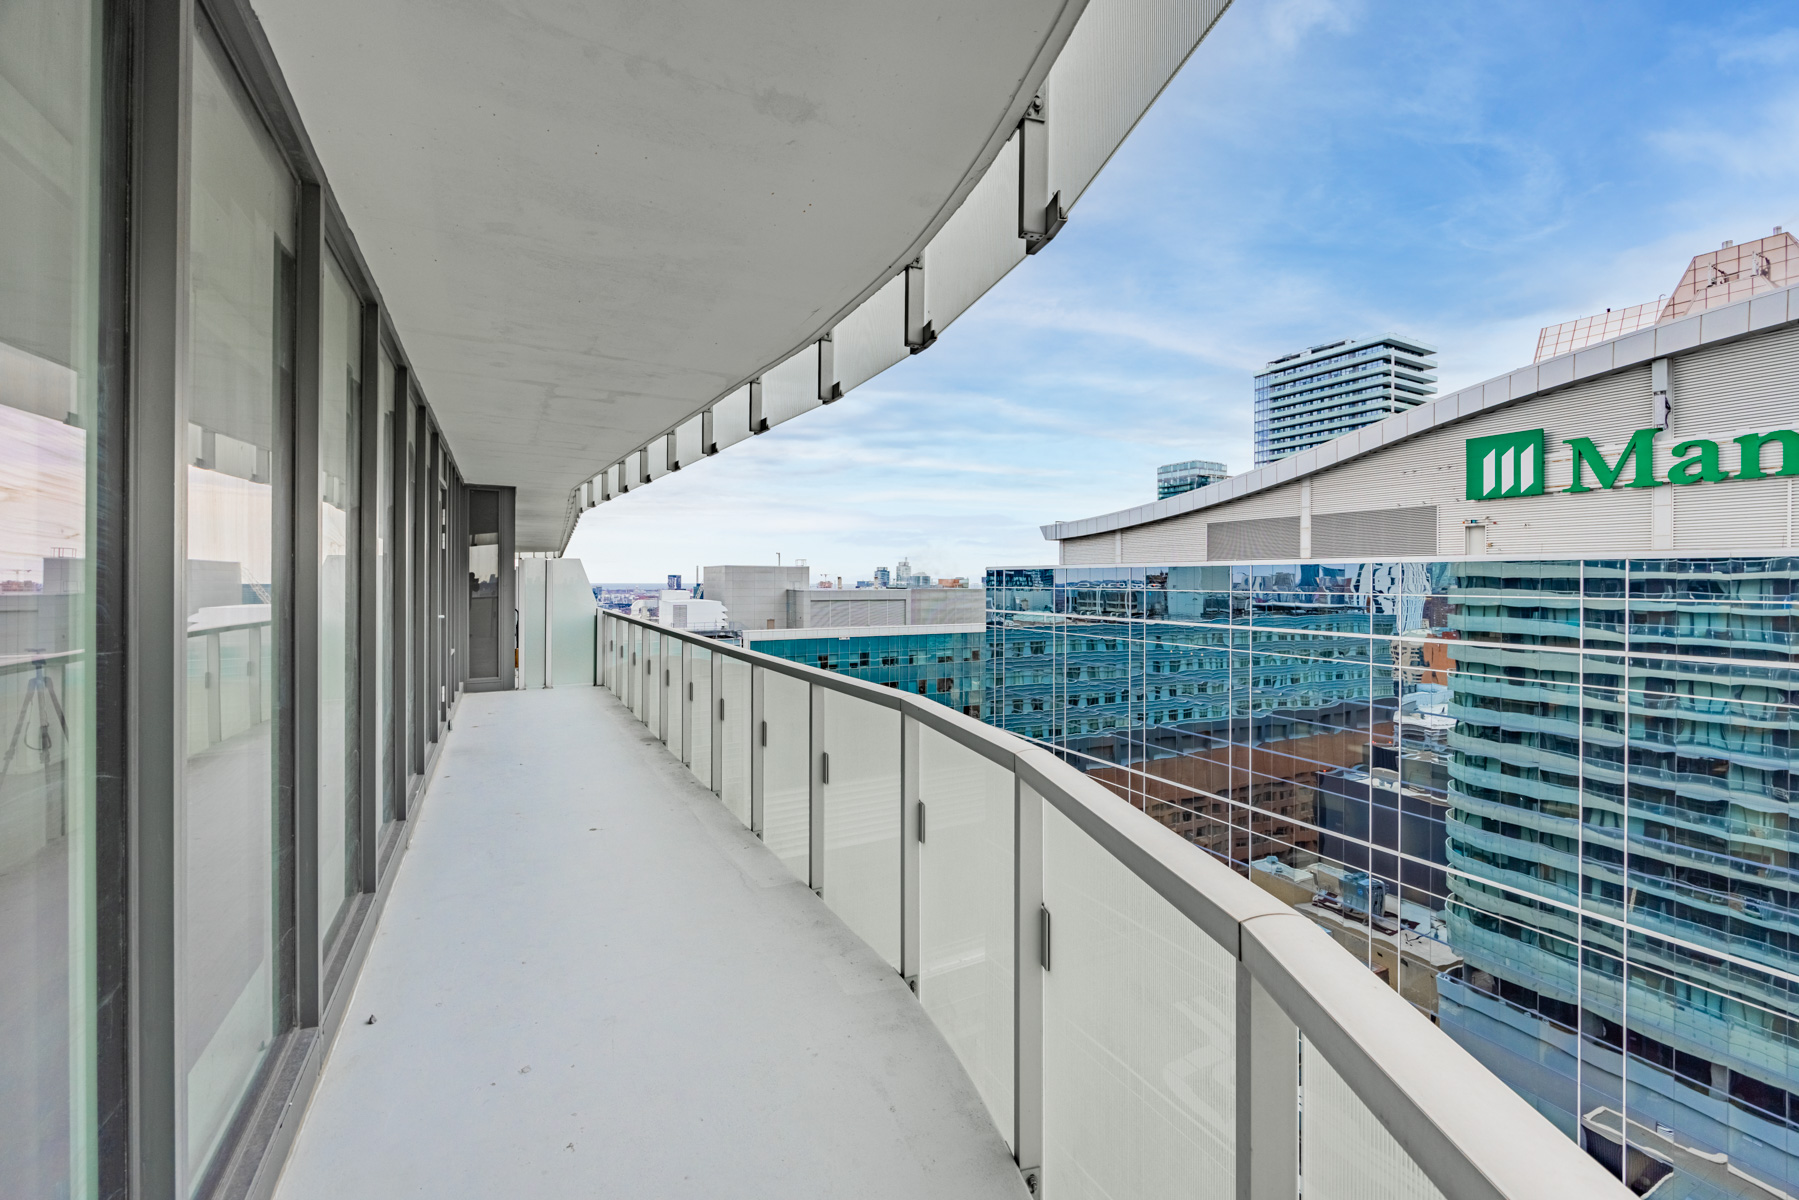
x=1321 y=393
x=1724 y=276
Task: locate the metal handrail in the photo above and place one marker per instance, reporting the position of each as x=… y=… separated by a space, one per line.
x=1470 y=1134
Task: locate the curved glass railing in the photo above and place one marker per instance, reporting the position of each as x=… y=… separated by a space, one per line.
x=1140 y=1020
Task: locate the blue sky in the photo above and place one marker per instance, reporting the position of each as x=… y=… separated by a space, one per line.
x=1462 y=174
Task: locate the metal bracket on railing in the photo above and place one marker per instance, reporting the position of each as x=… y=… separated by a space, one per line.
x=1043 y=935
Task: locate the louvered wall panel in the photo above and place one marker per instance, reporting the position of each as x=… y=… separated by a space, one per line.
x=1090 y=551
x=843 y=614
x=1381 y=532
x=1594 y=523
x=1753 y=514
x=1177 y=540
x=1262 y=539
x=1282 y=501
x=977 y=246
x=1744 y=385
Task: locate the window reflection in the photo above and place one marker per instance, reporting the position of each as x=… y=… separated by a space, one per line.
x=48 y=144
x=340 y=459
x=241 y=367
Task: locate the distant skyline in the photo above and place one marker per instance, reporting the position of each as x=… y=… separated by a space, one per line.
x=1318 y=170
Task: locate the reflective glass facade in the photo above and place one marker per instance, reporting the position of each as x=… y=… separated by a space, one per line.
x=1174 y=478
x=947 y=667
x=1547 y=801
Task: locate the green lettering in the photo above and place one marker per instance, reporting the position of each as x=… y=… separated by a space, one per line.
x=1641 y=445
x=1703 y=469
x=1752 y=444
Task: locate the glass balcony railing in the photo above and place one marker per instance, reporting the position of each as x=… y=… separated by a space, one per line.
x=1139 y=1019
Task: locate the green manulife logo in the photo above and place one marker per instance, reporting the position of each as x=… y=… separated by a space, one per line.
x=1511 y=464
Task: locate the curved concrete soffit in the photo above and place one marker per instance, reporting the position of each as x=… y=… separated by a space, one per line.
x=1103 y=65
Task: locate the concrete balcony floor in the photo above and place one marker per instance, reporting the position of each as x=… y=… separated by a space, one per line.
x=589 y=980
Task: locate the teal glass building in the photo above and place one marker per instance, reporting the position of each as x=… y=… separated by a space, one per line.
x=1548 y=800
x=944 y=663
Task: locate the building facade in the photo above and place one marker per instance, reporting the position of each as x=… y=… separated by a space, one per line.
x=1174 y=478
x=1311 y=396
x=943 y=662
x=755 y=596
x=1501 y=695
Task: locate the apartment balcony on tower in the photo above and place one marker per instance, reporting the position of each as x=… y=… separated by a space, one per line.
x=350 y=851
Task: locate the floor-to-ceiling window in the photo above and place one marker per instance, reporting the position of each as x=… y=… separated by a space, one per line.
x=242 y=277
x=386 y=806
x=48 y=203
x=340 y=427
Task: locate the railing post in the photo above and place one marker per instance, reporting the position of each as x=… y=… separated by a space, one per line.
x=1267 y=1095
x=757 y=675
x=909 y=896
x=1027 y=976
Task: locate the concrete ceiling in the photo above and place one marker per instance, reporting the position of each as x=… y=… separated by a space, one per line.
x=590 y=220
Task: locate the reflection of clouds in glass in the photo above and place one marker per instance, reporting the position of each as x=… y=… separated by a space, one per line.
x=230 y=520
x=43 y=473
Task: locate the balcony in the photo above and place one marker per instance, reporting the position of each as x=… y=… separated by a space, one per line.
x=728 y=924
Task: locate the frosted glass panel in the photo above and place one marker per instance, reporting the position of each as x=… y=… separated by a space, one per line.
x=634 y=669
x=1139 y=1033
x=572 y=613
x=1120 y=56
x=862 y=817
x=965 y=920
x=701 y=716
x=791 y=388
x=531 y=576
x=674 y=688
x=787 y=771
x=978 y=245
x=668 y=683
x=734 y=780
x=731 y=418
x=1346 y=1153
x=687 y=441
x=652 y=681
x=872 y=338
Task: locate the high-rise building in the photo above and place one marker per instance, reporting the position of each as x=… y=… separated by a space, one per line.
x=1306 y=398
x=1174 y=478
x=883 y=577
x=902 y=574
